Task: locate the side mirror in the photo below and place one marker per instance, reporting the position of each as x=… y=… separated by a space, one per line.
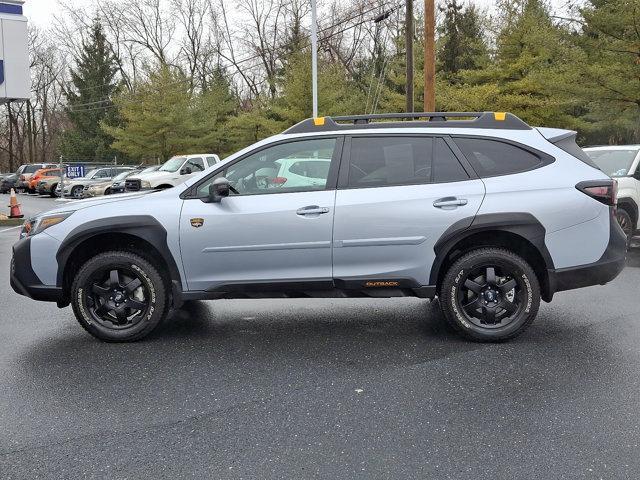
x=219 y=189
x=185 y=171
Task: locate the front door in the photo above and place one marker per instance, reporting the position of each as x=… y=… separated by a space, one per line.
x=397 y=195
x=273 y=230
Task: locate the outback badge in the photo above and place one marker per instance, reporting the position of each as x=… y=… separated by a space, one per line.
x=197 y=222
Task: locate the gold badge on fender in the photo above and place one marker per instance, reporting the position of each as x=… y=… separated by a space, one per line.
x=197 y=222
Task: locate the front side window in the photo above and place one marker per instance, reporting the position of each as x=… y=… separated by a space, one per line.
x=615 y=163
x=195 y=164
x=491 y=158
x=269 y=170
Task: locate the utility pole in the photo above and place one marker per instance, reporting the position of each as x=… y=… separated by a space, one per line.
x=408 y=36
x=314 y=58
x=429 y=56
x=61 y=166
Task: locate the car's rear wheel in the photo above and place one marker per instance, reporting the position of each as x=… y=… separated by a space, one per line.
x=119 y=297
x=490 y=294
x=52 y=192
x=626 y=223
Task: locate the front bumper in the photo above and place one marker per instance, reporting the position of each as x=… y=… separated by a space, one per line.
x=607 y=268
x=23 y=279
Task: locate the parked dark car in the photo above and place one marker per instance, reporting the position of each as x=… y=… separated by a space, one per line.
x=8 y=182
x=118 y=185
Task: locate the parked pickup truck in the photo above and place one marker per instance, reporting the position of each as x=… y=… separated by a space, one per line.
x=175 y=171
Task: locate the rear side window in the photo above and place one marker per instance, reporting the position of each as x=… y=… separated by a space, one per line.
x=491 y=158
x=446 y=167
x=385 y=161
x=211 y=160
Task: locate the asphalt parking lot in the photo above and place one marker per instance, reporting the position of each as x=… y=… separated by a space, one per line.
x=332 y=388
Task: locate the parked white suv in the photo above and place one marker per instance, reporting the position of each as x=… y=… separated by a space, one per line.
x=622 y=162
x=175 y=171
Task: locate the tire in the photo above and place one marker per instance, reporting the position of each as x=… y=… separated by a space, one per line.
x=140 y=289
x=76 y=192
x=486 y=309
x=626 y=223
x=107 y=191
x=52 y=192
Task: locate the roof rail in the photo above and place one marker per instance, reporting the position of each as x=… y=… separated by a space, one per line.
x=493 y=120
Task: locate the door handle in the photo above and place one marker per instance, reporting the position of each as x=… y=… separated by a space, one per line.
x=450 y=202
x=312 y=210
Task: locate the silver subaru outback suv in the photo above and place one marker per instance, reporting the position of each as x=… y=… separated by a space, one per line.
x=480 y=210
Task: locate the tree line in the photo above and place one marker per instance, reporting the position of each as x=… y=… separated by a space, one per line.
x=142 y=81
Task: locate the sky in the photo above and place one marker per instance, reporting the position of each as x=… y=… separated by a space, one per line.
x=41 y=12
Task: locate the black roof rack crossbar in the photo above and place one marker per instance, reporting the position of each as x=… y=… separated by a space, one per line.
x=432 y=116
x=493 y=120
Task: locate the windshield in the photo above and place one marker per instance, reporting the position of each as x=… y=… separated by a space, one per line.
x=615 y=163
x=32 y=168
x=173 y=164
x=91 y=173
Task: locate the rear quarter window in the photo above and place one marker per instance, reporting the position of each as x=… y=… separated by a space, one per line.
x=491 y=158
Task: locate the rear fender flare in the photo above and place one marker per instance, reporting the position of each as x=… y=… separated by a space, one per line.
x=522 y=224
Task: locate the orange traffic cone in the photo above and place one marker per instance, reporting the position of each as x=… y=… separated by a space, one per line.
x=14 y=206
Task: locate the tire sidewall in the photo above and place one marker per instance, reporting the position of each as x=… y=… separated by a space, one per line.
x=151 y=280
x=454 y=281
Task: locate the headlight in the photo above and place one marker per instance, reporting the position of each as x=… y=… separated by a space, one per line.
x=33 y=226
x=145 y=184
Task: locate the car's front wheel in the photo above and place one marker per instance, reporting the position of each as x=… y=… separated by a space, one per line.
x=490 y=294
x=119 y=297
x=76 y=192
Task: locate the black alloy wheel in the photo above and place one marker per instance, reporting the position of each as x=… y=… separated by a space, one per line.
x=118 y=299
x=119 y=296
x=625 y=222
x=490 y=294
x=490 y=297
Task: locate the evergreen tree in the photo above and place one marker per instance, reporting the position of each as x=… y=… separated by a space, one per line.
x=523 y=77
x=158 y=120
x=89 y=102
x=605 y=71
x=462 y=45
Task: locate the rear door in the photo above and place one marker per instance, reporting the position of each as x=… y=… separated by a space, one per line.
x=397 y=195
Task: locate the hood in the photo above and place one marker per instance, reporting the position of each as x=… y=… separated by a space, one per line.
x=90 y=202
x=152 y=175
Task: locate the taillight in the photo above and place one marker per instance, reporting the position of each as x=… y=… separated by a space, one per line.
x=278 y=180
x=605 y=191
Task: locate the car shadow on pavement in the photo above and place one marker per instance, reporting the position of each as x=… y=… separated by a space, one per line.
x=282 y=335
x=633 y=257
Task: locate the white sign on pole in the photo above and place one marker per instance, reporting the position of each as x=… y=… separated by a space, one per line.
x=15 y=81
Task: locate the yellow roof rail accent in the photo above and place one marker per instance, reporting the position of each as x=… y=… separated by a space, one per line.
x=318 y=121
x=500 y=116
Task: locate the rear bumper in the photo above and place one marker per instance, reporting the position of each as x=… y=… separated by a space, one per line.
x=23 y=279
x=607 y=268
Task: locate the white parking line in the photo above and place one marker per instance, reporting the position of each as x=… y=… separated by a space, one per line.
x=9 y=229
